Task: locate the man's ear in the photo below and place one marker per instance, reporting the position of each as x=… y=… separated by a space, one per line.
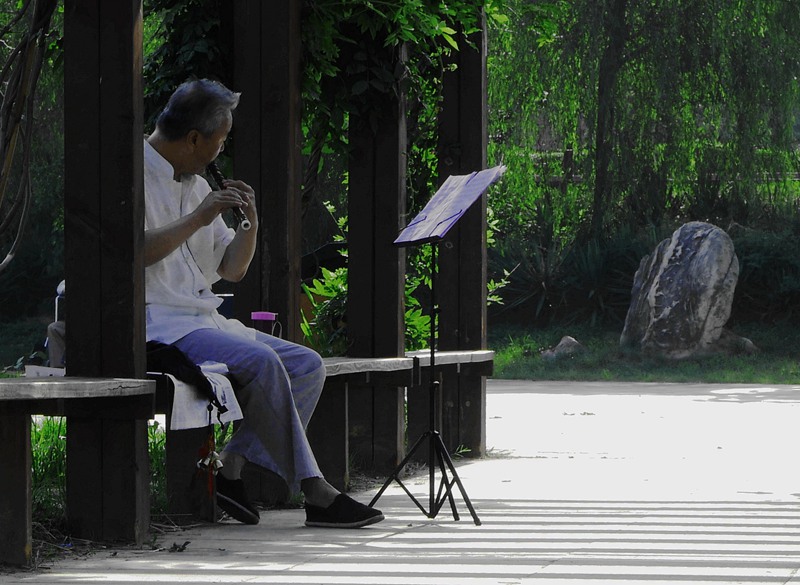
x=192 y=138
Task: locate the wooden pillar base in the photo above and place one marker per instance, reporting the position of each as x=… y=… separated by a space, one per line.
x=464 y=413
x=108 y=479
x=377 y=427
x=190 y=495
x=15 y=496
x=328 y=436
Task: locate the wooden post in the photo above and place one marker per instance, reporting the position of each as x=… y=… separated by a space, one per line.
x=376 y=272
x=268 y=137
x=376 y=268
x=462 y=260
x=15 y=500
x=108 y=474
x=329 y=439
x=267 y=155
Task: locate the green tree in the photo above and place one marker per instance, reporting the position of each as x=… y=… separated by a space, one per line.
x=31 y=150
x=184 y=40
x=674 y=109
x=618 y=119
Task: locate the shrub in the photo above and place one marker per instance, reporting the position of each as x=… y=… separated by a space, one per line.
x=768 y=289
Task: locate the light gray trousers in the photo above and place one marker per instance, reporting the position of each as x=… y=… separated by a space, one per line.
x=279 y=385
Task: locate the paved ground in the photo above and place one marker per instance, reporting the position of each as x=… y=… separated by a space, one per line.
x=589 y=483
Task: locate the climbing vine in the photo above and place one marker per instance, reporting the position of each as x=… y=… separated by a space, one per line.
x=23 y=59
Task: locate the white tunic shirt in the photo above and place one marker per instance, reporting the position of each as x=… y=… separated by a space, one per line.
x=178 y=292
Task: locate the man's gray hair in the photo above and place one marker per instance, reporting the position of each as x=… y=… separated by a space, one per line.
x=203 y=105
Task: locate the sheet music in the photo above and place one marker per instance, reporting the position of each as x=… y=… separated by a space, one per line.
x=448 y=204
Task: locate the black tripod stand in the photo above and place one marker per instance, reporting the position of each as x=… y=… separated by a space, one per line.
x=441 y=213
x=437 y=451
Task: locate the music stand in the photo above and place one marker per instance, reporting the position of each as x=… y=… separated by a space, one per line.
x=431 y=225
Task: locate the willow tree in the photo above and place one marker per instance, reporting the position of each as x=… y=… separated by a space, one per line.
x=25 y=33
x=673 y=109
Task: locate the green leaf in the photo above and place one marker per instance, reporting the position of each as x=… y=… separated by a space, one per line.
x=451 y=41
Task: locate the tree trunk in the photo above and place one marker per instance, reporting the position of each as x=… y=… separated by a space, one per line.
x=616 y=31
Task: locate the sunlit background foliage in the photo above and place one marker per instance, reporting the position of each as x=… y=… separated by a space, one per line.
x=617 y=119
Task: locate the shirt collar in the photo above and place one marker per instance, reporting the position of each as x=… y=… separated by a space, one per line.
x=157 y=162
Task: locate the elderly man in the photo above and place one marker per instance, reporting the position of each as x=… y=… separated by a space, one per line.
x=188 y=247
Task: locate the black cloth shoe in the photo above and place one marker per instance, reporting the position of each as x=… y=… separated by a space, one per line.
x=232 y=499
x=344 y=512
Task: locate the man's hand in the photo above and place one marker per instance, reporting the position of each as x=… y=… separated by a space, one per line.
x=241 y=250
x=160 y=242
x=235 y=194
x=247 y=197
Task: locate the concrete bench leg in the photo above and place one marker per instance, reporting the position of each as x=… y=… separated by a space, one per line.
x=15 y=497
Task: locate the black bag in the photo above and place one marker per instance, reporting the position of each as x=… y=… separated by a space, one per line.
x=168 y=359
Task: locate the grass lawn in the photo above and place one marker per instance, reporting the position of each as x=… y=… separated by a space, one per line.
x=518 y=356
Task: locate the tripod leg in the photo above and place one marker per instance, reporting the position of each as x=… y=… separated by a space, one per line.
x=445 y=490
x=431 y=476
x=445 y=485
x=395 y=476
x=446 y=456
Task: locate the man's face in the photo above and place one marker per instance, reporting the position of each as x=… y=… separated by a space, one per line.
x=206 y=149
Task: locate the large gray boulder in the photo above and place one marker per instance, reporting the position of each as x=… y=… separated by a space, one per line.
x=682 y=294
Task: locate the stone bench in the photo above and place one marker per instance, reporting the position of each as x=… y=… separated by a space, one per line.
x=482 y=360
x=100 y=509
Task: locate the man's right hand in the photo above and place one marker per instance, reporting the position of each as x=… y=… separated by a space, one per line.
x=217 y=202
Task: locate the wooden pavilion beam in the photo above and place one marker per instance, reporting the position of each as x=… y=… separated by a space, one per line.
x=268 y=156
x=268 y=142
x=107 y=488
x=376 y=274
x=463 y=139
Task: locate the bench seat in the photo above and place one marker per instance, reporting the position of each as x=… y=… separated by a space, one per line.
x=481 y=359
x=368 y=367
x=114 y=399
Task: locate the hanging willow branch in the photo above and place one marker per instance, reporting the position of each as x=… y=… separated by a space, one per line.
x=18 y=78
